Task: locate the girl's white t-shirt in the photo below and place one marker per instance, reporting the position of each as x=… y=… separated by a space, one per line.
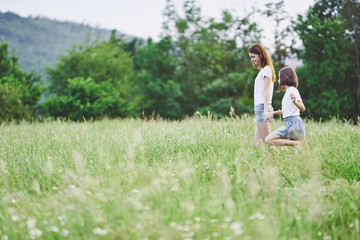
x=287 y=106
x=259 y=87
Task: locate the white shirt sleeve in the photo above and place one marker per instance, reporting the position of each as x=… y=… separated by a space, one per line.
x=268 y=72
x=297 y=94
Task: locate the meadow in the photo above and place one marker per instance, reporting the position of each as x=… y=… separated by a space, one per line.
x=193 y=179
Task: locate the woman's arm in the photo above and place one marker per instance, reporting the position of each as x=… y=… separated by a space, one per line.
x=266 y=94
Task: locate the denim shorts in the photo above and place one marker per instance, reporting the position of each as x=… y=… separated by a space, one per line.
x=259 y=112
x=294 y=129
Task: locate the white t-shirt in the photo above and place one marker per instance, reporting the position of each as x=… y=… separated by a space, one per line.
x=287 y=106
x=260 y=86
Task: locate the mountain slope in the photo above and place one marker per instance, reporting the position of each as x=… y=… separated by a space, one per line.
x=38 y=41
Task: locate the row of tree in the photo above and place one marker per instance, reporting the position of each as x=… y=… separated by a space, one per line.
x=198 y=65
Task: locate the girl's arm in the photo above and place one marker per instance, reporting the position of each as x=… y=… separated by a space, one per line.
x=278 y=112
x=271 y=114
x=299 y=104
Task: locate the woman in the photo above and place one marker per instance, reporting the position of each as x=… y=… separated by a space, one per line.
x=263 y=91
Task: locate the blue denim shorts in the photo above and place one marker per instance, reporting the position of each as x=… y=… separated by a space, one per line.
x=294 y=129
x=259 y=112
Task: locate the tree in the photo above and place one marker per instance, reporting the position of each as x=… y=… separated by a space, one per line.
x=83 y=76
x=349 y=11
x=20 y=91
x=327 y=75
x=210 y=57
x=155 y=64
x=284 y=39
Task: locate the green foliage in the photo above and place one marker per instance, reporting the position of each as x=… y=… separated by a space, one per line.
x=84 y=98
x=100 y=61
x=199 y=65
x=284 y=38
x=22 y=89
x=327 y=77
x=155 y=65
x=12 y=108
x=211 y=60
x=93 y=81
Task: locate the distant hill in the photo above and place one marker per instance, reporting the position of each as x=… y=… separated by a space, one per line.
x=38 y=41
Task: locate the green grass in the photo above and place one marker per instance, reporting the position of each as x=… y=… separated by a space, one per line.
x=192 y=179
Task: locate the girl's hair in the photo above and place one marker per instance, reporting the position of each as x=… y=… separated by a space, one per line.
x=265 y=60
x=287 y=77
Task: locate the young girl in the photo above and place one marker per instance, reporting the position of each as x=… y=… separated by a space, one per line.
x=291 y=105
x=263 y=91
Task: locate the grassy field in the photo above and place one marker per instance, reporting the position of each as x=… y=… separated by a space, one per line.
x=192 y=179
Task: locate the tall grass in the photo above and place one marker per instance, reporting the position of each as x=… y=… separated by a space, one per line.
x=192 y=179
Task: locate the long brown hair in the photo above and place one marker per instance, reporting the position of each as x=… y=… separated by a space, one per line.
x=288 y=77
x=265 y=60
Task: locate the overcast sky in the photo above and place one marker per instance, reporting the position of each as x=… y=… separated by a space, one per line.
x=141 y=18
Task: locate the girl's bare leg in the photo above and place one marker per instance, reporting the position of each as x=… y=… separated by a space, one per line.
x=274 y=139
x=285 y=142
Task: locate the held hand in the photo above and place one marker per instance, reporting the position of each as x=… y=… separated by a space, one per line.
x=268 y=116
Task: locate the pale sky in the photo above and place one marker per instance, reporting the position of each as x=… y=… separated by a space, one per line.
x=141 y=18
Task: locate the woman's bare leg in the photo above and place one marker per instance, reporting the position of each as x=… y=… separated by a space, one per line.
x=261 y=131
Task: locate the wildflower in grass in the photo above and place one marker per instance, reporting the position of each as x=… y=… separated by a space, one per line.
x=34 y=233
x=5 y=237
x=54 y=188
x=228 y=219
x=197 y=226
x=135 y=190
x=52 y=229
x=31 y=222
x=65 y=232
x=258 y=216
x=179 y=227
x=197 y=219
x=15 y=218
x=237 y=228
x=62 y=220
x=13 y=200
x=99 y=231
x=71 y=186
x=327 y=237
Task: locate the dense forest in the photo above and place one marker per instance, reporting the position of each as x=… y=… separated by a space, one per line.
x=200 y=65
